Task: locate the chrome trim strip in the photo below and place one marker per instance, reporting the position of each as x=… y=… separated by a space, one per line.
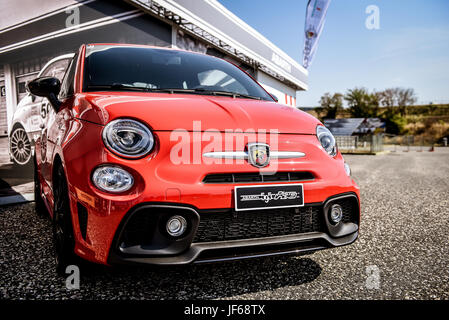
x=226 y=155
x=244 y=155
x=286 y=154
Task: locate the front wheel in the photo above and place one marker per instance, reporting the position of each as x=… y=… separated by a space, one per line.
x=63 y=240
x=39 y=204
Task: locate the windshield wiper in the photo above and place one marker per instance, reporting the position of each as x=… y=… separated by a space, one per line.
x=207 y=92
x=116 y=86
x=121 y=86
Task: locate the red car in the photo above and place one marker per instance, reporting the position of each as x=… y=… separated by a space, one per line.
x=161 y=156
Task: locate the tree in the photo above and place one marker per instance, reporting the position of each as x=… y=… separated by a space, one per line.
x=397 y=97
x=389 y=97
x=362 y=104
x=394 y=123
x=405 y=98
x=331 y=104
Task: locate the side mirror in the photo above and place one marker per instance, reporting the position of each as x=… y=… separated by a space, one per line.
x=32 y=96
x=273 y=96
x=47 y=87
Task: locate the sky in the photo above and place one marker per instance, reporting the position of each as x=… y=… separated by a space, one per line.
x=410 y=49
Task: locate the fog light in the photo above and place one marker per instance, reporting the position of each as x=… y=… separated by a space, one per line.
x=336 y=213
x=176 y=226
x=112 y=179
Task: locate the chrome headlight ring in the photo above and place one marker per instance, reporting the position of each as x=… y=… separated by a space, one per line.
x=327 y=140
x=128 y=138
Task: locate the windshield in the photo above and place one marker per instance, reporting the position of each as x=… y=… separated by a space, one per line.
x=148 y=69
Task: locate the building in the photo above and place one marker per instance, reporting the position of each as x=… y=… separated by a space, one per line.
x=32 y=32
x=354 y=126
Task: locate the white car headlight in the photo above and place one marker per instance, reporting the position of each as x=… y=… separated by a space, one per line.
x=128 y=138
x=112 y=179
x=327 y=140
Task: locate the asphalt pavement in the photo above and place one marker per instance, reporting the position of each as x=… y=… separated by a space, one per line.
x=402 y=251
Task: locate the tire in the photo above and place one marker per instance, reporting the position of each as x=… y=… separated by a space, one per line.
x=63 y=239
x=20 y=147
x=39 y=205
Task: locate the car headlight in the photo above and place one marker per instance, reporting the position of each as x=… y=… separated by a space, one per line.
x=327 y=140
x=112 y=179
x=128 y=138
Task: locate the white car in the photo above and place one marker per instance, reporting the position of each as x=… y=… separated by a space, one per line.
x=30 y=112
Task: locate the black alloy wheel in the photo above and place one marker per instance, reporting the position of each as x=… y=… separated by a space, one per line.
x=63 y=238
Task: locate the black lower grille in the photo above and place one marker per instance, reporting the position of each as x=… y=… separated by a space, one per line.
x=140 y=228
x=250 y=177
x=221 y=226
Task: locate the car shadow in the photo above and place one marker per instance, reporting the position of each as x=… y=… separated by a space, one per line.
x=11 y=171
x=204 y=281
x=11 y=177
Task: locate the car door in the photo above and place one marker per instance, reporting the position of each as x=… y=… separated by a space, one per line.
x=56 y=69
x=55 y=124
x=48 y=125
x=27 y=110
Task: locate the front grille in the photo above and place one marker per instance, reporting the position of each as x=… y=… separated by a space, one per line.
x=245 y=177
x=221 y=226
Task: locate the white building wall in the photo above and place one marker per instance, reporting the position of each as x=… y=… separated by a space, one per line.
x=285 y=94
x=11 y=96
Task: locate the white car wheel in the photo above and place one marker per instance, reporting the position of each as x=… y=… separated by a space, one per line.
x=20 y=147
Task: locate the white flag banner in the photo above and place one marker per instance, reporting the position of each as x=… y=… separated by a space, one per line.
x=315 y=17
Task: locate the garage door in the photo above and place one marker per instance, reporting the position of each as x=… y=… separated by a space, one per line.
x=26 y=71
x=21 y=82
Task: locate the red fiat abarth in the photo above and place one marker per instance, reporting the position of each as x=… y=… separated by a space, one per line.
x=160 y=156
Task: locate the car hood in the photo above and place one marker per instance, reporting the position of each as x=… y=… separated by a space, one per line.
x=194 y=112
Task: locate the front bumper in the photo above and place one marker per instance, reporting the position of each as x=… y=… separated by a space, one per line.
x=310 y=233
x=98 y=218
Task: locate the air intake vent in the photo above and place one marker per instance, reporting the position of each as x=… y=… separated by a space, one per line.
x=254 y=177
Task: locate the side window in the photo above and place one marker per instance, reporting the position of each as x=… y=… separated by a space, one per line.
x=56 y=69
x=67 y=87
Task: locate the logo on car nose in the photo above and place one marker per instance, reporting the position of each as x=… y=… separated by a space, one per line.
x=259 y=154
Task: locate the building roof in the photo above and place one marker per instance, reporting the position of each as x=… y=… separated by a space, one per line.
x=350 y=126
x=343 y=127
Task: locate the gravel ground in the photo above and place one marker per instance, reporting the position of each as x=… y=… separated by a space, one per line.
x=404 y=235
